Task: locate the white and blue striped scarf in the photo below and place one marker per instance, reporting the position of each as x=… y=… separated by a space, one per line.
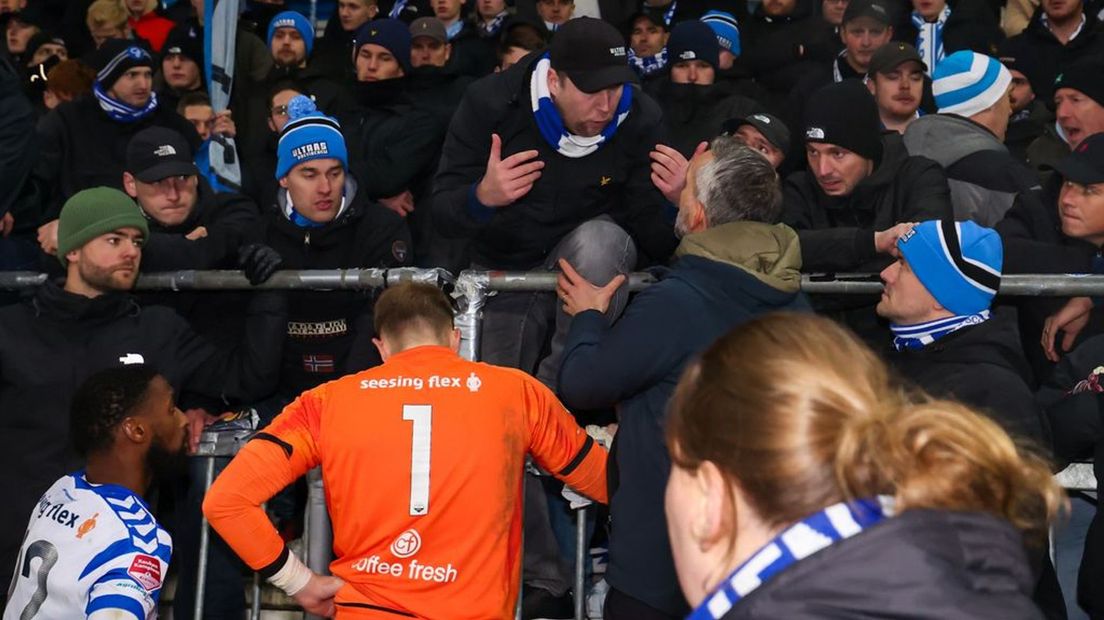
x=648 y=65
x=797 y=542
x=914 y=337
x=491 y=28
x=120 y=111
x=551 y=124
x=396 y=9
x=929 y=38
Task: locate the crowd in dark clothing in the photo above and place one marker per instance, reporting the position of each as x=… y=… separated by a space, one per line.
x=892 y=114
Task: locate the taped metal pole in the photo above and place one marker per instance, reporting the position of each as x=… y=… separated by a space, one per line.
x=470 y=293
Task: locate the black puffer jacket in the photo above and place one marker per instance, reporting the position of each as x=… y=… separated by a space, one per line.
x=52 y=343
x=837 y=234
x=984 y=367
x=921 y=565
x=614 y=180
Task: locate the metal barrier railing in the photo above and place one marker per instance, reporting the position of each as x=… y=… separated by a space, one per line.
x=470 y=290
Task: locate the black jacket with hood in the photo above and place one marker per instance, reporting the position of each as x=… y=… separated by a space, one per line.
x=329 y=332
x=780 y=51
x=982 y=366
x=837 y=234
x=1049 y=55
x=983 y=176
x=53 y=342
x=615 y=180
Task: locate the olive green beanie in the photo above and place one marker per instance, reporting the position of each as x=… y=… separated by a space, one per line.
x=92 y=212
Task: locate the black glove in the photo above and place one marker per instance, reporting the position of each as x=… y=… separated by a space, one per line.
x=259 y=262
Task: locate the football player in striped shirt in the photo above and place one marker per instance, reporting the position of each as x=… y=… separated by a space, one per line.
x=93 y=549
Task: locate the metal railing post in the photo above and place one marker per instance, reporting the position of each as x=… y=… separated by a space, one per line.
x=470 y=293
x=580 y=563
x=204 y=543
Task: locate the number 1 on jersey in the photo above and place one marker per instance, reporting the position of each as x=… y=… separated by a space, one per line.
x=422 y=417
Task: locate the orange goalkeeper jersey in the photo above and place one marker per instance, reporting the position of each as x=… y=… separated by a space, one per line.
x=422 y=461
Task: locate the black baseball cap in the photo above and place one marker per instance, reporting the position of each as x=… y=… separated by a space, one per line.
x=772 y=128
x=592 y=53
x=874 y=9
x=892 y=55
x=1085 y=165
x=157 y=153
x=1083 y=75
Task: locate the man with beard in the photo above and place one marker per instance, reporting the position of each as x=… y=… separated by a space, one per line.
x=64 y=334
x=291 y=42
x=100 y=550
x=897 y=80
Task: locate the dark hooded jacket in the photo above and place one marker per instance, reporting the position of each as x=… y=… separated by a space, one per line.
x=329 y=333
x=82 y=147
x=837 y=234
x=972 y=25
x=982 y=366
x=983 y=176
x=721 y=277
x=780 y=51
x=922 y=564
x=53 y=342
x=615 y=180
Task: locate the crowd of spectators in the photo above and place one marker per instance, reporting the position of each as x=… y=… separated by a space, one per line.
x=727 y=146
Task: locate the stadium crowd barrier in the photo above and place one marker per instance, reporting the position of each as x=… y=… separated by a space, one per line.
x=469 y=291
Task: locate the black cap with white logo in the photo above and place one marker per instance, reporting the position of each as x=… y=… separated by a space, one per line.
x=158 y=153
x=592 y=53
x=874 y=9
x=772 y=128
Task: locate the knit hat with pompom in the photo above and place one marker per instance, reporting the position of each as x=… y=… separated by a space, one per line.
x=309 y=135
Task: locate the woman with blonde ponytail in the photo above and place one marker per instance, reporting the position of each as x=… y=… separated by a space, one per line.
x=806 y=484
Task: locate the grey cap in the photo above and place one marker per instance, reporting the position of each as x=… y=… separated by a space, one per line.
x=428 y=27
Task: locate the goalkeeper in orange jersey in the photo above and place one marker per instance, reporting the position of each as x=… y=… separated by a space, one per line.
x=422 y=461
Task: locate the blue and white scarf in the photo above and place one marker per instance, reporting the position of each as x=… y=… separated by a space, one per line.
x=929 y=38
x=918 y=336
x=396 y=9
x=300 y=220
x=454 y=29
x=797 y=542
x=551 y=124
x=669 y=14
x=491 y=28
x=120 y=111
x=647 y=65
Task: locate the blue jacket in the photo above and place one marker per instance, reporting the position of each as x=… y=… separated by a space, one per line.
x=721 y=277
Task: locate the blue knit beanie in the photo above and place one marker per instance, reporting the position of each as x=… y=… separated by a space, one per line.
x=390 y=34
x=726 y=28
x=309 y=135
x=958 y=262
x=292 y=19
x=966 y=83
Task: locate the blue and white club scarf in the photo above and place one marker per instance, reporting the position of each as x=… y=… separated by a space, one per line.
x=914 y=337
x=929 y=38
x=492 y=28
x=120 y=111
x=802 y=539
x=551 y=124
x=396 y=9
x=647 y=65
x=300 y=220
